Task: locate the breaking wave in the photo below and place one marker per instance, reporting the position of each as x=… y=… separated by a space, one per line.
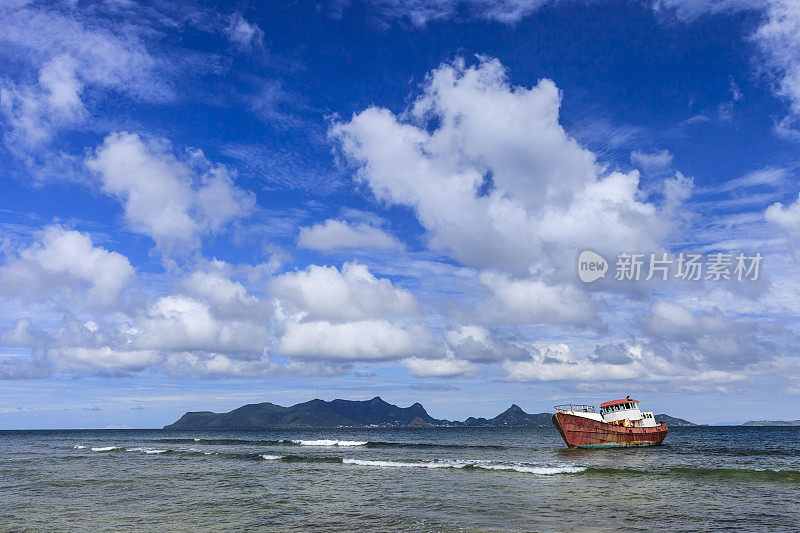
x=325 y=442
x=433 y=445
x=259 y=442
x=485 y=465
x=294 y=458
x=149 y=451
x=221 y=441
x=707 y=473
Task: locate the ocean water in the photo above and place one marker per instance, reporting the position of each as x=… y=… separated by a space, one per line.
x=432 y=479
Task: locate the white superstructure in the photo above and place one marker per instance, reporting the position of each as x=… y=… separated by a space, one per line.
x=624 y=412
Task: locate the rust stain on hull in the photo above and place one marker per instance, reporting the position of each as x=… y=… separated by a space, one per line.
x=582 y=432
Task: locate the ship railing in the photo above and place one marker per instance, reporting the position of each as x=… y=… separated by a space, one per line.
x=573 y=408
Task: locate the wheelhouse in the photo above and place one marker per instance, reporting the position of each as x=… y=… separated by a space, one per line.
x=626 y=412
x=616 y=406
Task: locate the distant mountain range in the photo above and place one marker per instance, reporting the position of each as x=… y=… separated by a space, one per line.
x=772 y=423
x=673 y=421
x=514 y=416
x=349 y=413
x=315 y=413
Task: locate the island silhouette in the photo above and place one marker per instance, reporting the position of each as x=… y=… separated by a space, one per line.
x=358 y=413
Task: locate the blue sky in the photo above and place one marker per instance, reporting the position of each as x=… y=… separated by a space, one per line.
x=209 y=205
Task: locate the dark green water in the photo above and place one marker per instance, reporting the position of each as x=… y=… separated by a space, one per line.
x=449 y=479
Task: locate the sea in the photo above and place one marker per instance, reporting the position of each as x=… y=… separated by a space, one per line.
x=426 y=479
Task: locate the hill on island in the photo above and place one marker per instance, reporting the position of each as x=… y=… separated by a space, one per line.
x=673 y=421
x=514 y=416
x=315 y=413
x=773 y=423
x=350 y=413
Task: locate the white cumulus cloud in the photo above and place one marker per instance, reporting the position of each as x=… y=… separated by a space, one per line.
x=445 y=367
x=787 y=218
x=172 y=201
x=362 y=340
x=183 y=324
x=325 y=293
x=498 y=183
x=340 y=234
x=66 y=263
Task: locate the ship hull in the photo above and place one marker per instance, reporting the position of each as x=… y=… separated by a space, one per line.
x=582 y=432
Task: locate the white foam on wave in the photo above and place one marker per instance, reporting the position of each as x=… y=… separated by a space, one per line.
x=527 y=469
x=325 y=442
x=79 y=447
x=145 y=450
x=541 y=470
x=272 y=457
x=400 y=464
x=105 y=448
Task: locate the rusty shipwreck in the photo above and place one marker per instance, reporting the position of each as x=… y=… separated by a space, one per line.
x=620 y=423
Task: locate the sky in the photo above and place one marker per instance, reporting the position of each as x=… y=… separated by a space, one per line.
x=466 y=204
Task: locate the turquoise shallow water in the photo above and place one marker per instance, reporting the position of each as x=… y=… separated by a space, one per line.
x=453 y=479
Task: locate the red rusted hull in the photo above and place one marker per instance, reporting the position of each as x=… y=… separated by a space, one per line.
x=582 y=432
